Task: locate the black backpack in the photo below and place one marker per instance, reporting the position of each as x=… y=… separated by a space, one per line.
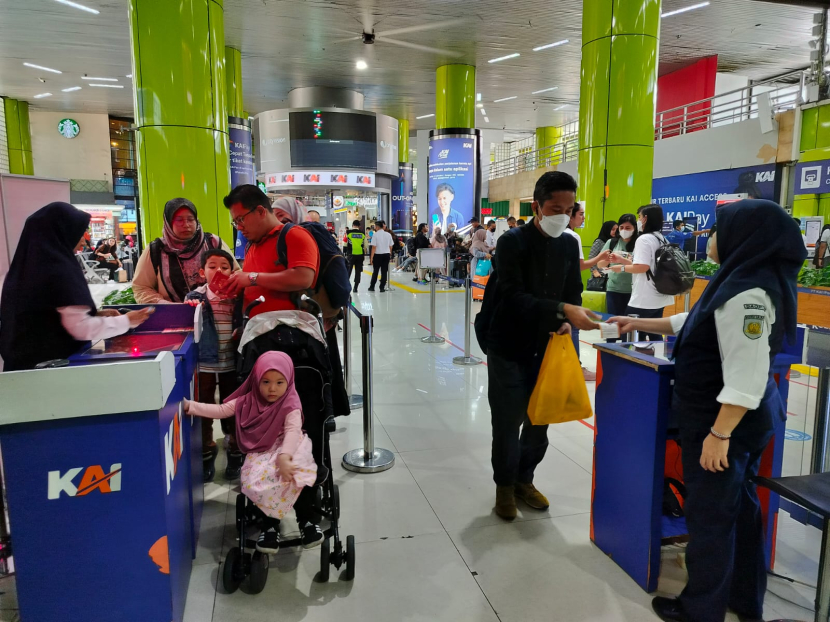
x=333 y=288
x=673 y=274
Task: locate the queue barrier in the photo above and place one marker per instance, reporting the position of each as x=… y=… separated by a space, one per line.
x=467 y=360
x=368 y=459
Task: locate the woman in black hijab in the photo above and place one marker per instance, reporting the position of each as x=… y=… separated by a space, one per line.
x=728 y=404
x=46 y=310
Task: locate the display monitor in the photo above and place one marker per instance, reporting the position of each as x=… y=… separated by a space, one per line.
x=453 y=181
x=326 y=139
x=139 y=344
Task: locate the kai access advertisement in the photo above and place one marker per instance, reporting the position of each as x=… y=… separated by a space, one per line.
x=453 y=181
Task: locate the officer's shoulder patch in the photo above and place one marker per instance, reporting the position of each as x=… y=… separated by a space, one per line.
x=753 y=326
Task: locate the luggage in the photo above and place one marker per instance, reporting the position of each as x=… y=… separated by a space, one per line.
x=478 y=294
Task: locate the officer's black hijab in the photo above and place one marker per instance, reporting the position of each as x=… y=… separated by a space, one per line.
x=759 y=245
x=44 y=275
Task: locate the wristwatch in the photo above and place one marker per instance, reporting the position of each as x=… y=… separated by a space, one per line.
x=560 y=310
x=622 y=268
x=253 y=276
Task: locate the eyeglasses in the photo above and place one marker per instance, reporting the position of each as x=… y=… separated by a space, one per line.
x=237 y=222
x=184 y=221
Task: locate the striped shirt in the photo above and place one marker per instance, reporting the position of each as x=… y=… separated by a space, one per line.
x=223 y=320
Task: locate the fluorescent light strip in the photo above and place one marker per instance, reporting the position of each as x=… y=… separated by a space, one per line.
x=484 y=112
x=685 y=9
x=70 y=89
x=426 y=116
x=41 y=95
x=42 y=68
x=109 y=86
x=551 y=45
x=75 y=5
x=504 y=99
x=478 y=97
x=486 y=120
x=553 y=88
x=501 y=58
x=100 y=79
x=560 y=108
x=129 y=75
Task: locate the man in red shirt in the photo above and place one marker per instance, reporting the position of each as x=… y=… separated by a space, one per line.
x=263 y=275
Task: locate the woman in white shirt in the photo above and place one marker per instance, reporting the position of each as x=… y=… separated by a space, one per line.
x=646 y=301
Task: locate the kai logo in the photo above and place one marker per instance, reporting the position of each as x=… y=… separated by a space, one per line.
x=93 y=478
x=765 y=176
x=173 y=448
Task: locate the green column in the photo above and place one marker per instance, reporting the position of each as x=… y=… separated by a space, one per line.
x=181 y=111
x=455 y=96
x=233 y=82
x=547 y=136
x=403 y=141
x=616 y=108
x=19 y=137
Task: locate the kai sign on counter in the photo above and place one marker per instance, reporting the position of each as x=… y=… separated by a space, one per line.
x=320 y=178
x=812 y=177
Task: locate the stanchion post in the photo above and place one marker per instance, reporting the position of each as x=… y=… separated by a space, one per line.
x=433 y=338
x=355 y=401
x=687 y=302
x=467 y=360
x=820 y=458
x=368 y=459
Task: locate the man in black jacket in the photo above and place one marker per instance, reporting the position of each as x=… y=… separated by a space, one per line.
x=537 y=291
x=421 y=241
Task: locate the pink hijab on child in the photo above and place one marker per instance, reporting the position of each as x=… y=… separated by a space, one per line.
x=259 y=424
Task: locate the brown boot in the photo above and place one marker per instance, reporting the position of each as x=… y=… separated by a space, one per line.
x=505 y=502
x=531 y=496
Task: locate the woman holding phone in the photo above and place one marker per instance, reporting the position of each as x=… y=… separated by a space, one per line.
x=47 y=311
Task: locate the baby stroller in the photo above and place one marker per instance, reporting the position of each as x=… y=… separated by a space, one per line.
x=301 y=336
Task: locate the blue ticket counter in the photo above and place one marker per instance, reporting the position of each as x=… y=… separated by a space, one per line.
x=99 y=463
x=635 y=449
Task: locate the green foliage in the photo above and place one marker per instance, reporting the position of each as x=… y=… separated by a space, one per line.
x=810 y=277
x=704 y=268
x=123 y=297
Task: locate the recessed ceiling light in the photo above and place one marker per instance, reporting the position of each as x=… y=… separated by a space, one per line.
x=75 y=5
x=504 y=99
x=551 y=45
x=70 y=89
x=361 y=64
x=486 y=120
x=484 y=112
x=560 y=108
x=100 y=79
x=480 y=105
x=42 y=68
x=109 y=86
x=426 y=116
x=553 y=88
x=501 y=58
x=129 y=75
x=40 y=95
x=478 y=97
x=685 y=9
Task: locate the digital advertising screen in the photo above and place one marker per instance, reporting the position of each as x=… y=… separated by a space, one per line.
x=453 y=181
x=333 y=139
x=402 y=198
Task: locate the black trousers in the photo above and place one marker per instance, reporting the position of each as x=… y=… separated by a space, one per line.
x=515 y=454
x=725 y=554
x=616 y=304
x=380 y=264
x=650 y=314
x=355 y=262
x=206 y=394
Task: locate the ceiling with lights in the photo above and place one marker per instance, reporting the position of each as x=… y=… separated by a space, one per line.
x=75 y=56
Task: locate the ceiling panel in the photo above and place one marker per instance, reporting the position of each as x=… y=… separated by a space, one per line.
x=291 y=43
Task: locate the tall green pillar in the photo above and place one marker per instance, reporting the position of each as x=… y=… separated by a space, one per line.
x=233 y=82
x=547 y=136
x=19 y=137
x=617 y=94
x=178 y=58
x=455 y=96
x=403 y=141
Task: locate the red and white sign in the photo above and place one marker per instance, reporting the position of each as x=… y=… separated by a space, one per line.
x=296 y=179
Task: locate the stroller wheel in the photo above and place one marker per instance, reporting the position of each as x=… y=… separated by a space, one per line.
x=335 y=502
x=350 y=554
x=325 y=561
x=259 y=572
x=232 y=572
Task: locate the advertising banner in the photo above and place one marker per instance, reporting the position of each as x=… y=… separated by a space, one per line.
x=695 y=196
x=242 y=169
x=296 y=179
x=812 y=177
x=402 y=198
x=453 y=182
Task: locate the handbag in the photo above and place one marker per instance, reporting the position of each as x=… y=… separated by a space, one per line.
x=483 y=267
x=560 y=393
x=597 y=283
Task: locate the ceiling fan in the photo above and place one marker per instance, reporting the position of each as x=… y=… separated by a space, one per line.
x=369 y=36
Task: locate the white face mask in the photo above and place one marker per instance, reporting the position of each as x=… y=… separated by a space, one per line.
x=626 y=234
x=554 y=226
x=639 y=226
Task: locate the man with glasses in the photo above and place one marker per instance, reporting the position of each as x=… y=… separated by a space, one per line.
x=263 y=275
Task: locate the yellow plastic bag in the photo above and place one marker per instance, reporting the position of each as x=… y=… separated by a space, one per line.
x=560 y=393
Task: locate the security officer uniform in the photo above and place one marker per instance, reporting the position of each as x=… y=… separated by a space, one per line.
x=355 y=242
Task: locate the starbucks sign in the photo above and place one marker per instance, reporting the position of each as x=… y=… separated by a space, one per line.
x=68 y=128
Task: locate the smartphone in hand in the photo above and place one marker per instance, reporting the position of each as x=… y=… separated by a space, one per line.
x=218 y=282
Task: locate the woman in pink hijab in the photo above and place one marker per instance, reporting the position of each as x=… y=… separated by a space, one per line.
x=279 y=463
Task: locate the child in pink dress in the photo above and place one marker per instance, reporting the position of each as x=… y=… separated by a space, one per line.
x=278 y=461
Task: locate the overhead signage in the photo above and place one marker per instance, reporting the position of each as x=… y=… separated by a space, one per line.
x=812 y=177
x=337 y=202
x=452 y=181
x=68 y=128
x=296 y=179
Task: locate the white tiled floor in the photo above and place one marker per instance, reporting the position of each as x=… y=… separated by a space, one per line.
x=429 y=547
